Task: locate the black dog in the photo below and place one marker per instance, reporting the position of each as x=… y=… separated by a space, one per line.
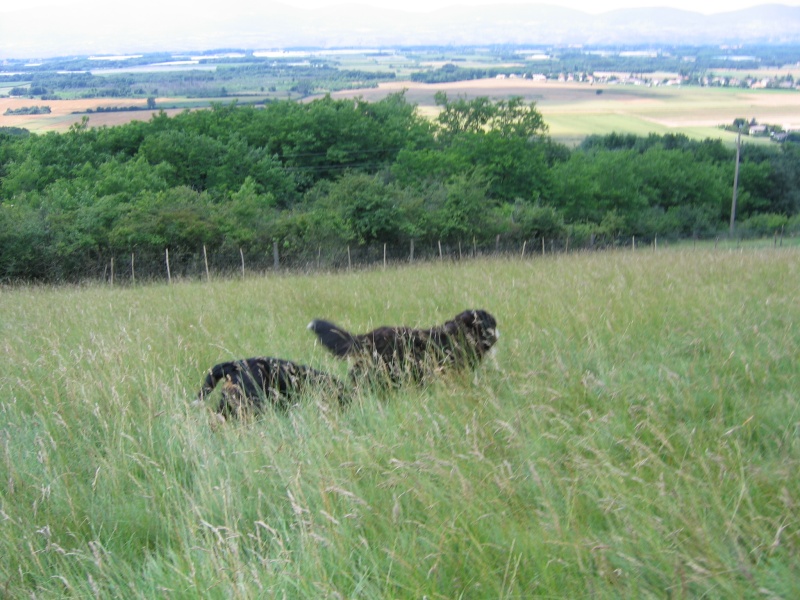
x=397 y=353
x=254 y=382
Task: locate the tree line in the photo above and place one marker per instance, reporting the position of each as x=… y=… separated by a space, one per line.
x=224 y=80
x=329 y=174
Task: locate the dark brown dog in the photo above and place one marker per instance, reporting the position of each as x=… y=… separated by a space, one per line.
x=253 y=383
x=397 y=353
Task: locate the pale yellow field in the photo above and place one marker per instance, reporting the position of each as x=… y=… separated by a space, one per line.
x=62 y=112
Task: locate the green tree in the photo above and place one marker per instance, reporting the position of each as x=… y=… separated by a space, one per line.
x=590 y=185
x=785 y=182
x=509 y=118
x=680 y=178
x=505 y=139
x=419 y=168
x=463 y=116
x=464 y=213
x=128 y=178
x=25 y=245
x=526 y=221
x=367 y=208
x=177 y=218
x=325 y=138
x=191 y=155
x=246 y=221
x=514 y=167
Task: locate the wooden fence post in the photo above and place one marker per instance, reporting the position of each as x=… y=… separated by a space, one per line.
x=411 y=256
x=524 y=243
x=440 y=249
x=169 y=275
x=384 y=256
x=112 y=271
x=205 y=260
x=133 y=272
x=241 y=255
x=276 y=258
x=349 y=262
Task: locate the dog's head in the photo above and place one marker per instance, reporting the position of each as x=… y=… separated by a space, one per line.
x=482 y=328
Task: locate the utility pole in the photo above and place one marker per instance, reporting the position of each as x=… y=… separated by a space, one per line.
x=736 y=180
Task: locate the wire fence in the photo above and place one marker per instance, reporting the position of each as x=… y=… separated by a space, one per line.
x=172 y=265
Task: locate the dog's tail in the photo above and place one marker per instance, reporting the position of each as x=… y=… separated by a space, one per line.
x=334 y=338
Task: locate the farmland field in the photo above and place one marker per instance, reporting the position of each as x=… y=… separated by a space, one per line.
x=574 y=110
x=63 y=113
x=636 y=434
x=571 y=110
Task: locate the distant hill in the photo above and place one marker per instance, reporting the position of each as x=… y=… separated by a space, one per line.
x=107 y=28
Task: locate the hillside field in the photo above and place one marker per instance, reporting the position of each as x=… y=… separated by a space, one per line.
x=636 y=434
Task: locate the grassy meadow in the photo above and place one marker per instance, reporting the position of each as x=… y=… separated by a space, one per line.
x=636 y=434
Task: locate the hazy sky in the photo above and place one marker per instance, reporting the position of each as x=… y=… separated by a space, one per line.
x=40 y=28
x=590 y=6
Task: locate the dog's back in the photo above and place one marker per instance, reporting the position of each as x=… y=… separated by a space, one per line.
x=253 y=382
x=400 y=352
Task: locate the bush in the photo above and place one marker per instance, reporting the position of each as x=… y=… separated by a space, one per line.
x=581 y=235
x=535 y=221
x=763 y=225
x=793 y=225
x=693 y=221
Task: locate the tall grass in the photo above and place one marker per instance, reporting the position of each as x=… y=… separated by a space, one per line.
x=636 y=434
